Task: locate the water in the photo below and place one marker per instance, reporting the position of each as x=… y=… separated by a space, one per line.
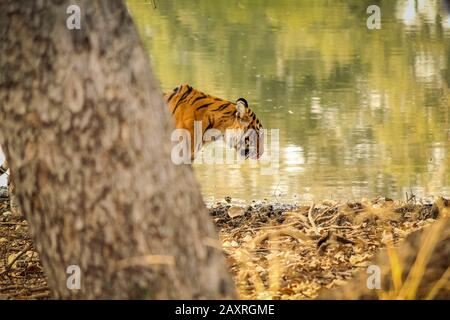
x=361 y=112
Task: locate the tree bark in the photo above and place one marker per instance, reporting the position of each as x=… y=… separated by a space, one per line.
x=87 y=135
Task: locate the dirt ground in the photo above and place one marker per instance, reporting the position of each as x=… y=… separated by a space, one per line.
x=21 y=274
x=284 y=252
x=274 y=251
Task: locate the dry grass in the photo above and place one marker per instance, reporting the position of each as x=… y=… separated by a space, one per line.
x=281 y=252
x=408 y=277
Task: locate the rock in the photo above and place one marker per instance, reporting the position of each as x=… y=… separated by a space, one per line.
x=6 y=214
x=31 y=255
x=3 y=192
x=235 y=211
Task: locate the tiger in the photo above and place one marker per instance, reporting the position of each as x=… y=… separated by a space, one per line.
x=187 y=105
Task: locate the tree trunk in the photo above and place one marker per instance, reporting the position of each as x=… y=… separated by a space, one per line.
x=87 y=135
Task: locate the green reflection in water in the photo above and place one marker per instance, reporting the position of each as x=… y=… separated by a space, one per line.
x=361 y=112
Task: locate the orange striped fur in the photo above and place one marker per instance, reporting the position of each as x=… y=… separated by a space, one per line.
x=187 y=105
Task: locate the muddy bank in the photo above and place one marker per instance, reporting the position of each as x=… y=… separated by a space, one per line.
x=274 y=251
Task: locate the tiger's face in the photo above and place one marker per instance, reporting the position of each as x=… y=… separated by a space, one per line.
x=247 y=137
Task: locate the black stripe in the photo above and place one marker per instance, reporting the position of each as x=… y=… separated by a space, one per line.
x=204 y=106
x=183 y=97
x=203 y=96
x=208 y=127
x=222 y=107
x=186 y=94
x=171 y=96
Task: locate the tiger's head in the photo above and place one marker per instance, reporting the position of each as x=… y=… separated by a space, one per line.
x=247 y=136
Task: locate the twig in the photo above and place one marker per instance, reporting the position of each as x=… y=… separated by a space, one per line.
x=39 y=295
x=337 y=227
x=30 y=289
x=311 y=220
x=288 y=231
x=321 y=214
x=274 y=192
x=8 y=266
x=10 y=223
x=37 y=289
x=278 y=226
x=12 y=287
x=332 y=220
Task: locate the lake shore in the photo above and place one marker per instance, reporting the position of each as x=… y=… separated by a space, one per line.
x=274 y=250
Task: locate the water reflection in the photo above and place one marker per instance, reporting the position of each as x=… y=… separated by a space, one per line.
x=360 y=112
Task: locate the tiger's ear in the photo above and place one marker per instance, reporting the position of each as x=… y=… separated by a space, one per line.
x=241 y=104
